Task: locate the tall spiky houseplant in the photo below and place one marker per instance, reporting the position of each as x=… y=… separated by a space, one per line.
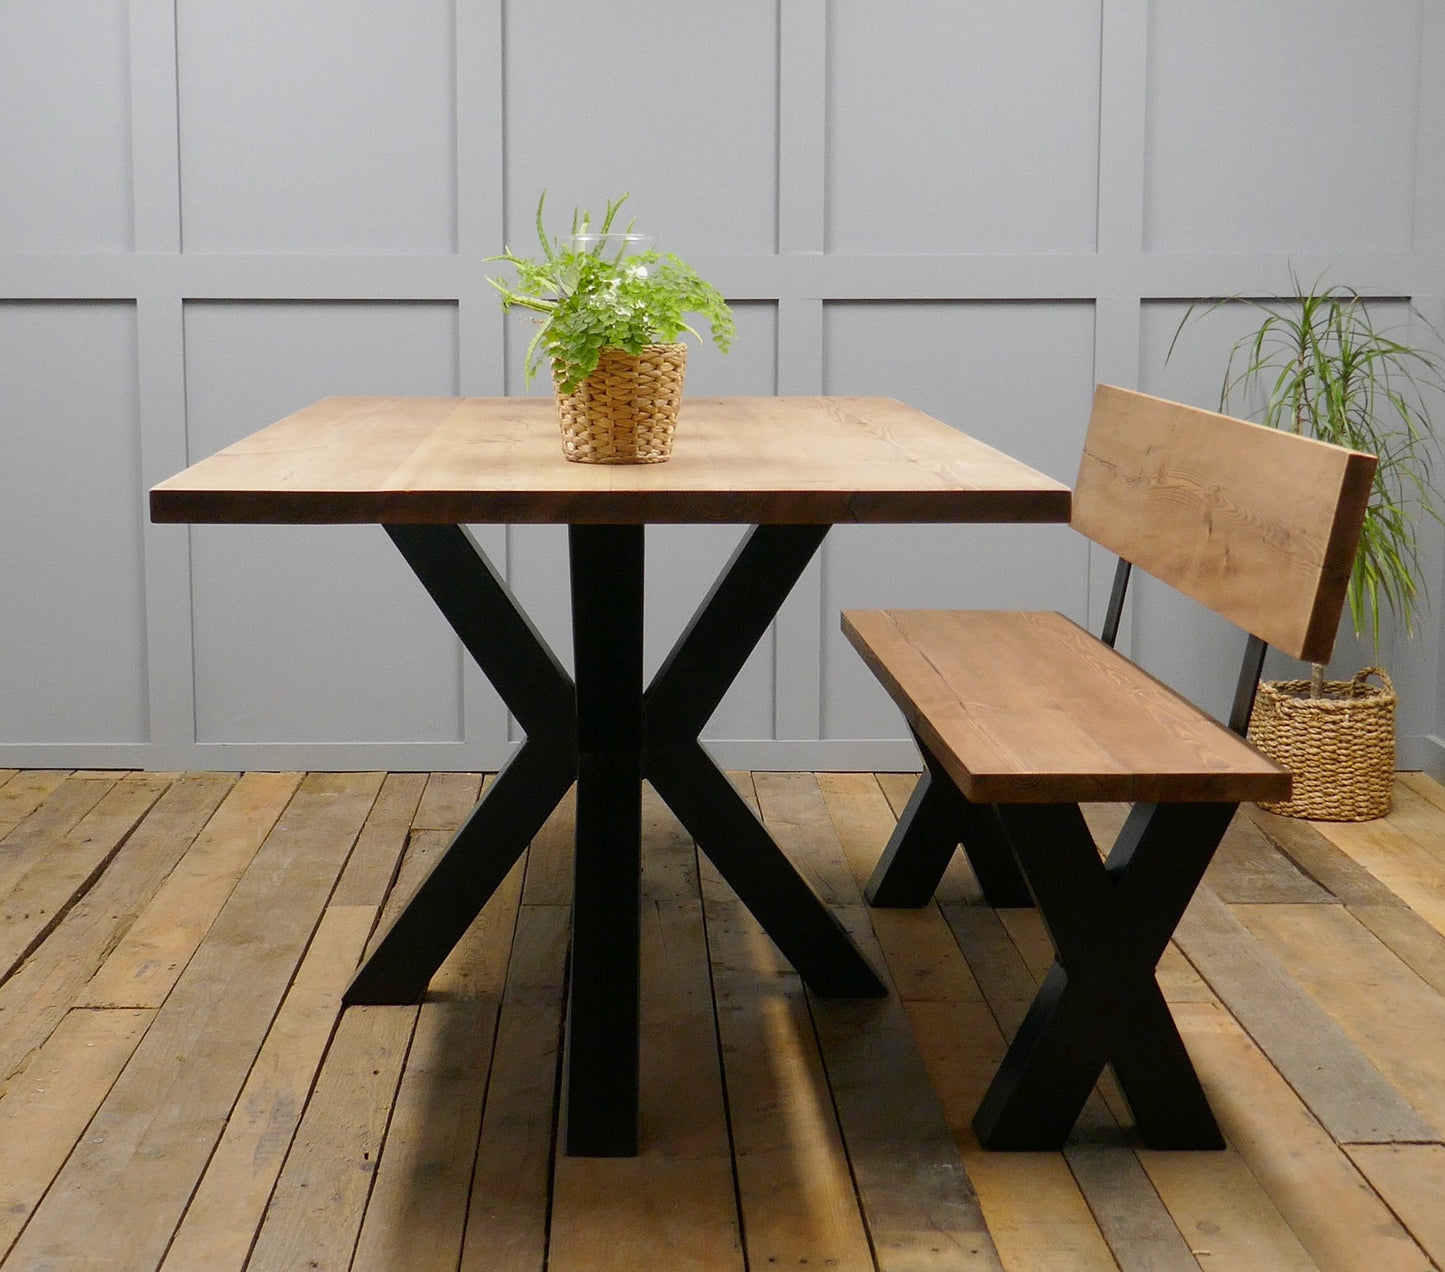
x=1318 y=363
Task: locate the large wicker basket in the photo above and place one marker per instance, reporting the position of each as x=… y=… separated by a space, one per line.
x=625 y=412
x=1340 y=747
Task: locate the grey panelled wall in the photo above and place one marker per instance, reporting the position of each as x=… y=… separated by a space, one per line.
x=212 y=214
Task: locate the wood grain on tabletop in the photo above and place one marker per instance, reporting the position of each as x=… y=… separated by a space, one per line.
x=739 y=460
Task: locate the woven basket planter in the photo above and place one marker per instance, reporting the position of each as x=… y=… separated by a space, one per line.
x=625 y=412
x=1340 y=747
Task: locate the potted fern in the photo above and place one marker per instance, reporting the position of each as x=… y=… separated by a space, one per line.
x=612 y=313
x=1320 y=365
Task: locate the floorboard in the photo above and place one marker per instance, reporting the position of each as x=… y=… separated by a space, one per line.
x=180 y=1088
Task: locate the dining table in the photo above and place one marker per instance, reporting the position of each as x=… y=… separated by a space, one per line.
x=787 y=468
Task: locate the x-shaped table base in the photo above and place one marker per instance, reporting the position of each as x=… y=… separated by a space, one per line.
x=606 y=733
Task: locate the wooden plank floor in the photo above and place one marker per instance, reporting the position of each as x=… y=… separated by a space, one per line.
x=179 y=1088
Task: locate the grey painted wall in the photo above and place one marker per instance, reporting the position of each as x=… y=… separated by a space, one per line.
x=213 y=213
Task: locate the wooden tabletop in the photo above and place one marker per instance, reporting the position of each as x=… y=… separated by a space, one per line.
x=803 y=460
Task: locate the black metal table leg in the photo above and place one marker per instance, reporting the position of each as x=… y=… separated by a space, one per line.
x=602 y=1038
x=606 y=733
x=536 y=688
x=937 y=819
x=802 y=927
x=1100 y=1002
x=683 y=695
x=438 y=913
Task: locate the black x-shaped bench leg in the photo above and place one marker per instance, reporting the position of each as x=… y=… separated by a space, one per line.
x=1100 y=1004
x=938 y=819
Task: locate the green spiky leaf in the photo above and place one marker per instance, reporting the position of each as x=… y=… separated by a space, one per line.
x=1322 y=367
x=589 y=300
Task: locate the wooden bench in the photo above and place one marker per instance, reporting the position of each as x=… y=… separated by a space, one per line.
x=1022 y=716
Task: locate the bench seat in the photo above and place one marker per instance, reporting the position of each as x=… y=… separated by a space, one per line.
x=1023 y=716
x=1027 y=707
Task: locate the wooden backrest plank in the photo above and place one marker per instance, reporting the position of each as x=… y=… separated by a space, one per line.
x=1259 y=525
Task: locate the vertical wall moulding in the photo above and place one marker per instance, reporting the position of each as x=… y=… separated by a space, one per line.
x=480 y=67
x=160 y=371
x=1428 y=250
x=802 y=191
x=1123 y=105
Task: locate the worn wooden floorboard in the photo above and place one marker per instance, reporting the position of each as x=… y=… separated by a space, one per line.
x=47 y=883
x=144 y=1152
x=224 y=1215
x=53 y=979
x=181 y=1089
x=1400 y=853
x=45 y=1112
x=39 y=814
x=674 y=1204
x=148 y=960
x=1342 y=1087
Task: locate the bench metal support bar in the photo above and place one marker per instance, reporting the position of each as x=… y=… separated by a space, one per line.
x=1250 y=671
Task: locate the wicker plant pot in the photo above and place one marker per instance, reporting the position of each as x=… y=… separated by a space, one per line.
x=625 y=412
x=1340 y=747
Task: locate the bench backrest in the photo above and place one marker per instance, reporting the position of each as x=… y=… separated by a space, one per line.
x=1259 y=525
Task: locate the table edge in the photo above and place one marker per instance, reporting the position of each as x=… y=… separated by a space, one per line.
x=462 y=507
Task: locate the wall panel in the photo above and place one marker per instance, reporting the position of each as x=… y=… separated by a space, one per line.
x=320 y=127
x=72 y=621
x=674 y=104
x=1018 y=375
x=963 y=127
x=312 y=633
x=1260 y=138
x=65 y=144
